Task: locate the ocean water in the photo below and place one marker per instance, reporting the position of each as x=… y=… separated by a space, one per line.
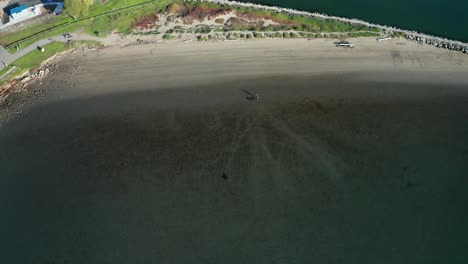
x=441 y=18
x=319 y=170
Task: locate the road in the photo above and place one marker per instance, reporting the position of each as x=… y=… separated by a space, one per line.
x=7 y=58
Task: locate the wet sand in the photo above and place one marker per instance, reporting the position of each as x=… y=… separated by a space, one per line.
x=133 y=159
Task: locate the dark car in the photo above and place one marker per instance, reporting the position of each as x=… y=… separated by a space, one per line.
x=67 y=36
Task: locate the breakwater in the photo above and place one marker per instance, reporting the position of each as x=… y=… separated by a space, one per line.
x=421 y=38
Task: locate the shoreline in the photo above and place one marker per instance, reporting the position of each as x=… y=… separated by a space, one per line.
x=165 y=25
x=385 y=31
x=396 y=54
x=173 y=62
x=410 y=33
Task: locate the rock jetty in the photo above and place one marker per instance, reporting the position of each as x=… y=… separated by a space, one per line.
x=421 y=38
x=438 y=43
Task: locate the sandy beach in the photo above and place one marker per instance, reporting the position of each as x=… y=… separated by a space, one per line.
x=176 y=63
x=152 y=153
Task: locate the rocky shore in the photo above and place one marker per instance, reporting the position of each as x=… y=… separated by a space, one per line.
x=438 y=43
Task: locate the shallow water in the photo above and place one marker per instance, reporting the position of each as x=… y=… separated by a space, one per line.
x=317 y=169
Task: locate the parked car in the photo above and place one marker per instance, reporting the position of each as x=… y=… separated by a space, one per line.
x=41 y=49
x=67 y=36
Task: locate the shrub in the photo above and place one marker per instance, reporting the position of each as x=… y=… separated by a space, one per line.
x=168 y=37
x=258 y=35
x=294 y=35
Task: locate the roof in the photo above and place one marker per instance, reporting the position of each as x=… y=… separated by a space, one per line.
x=59 y=8
x=18 y=9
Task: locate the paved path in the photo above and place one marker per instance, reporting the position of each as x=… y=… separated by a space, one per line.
x=3 y=55
x=7 y=58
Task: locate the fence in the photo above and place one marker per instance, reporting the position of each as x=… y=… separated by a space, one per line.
x=26 y=24
x=40 y=33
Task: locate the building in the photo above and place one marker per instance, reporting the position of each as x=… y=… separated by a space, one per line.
x=22 y=12
x=18 y=12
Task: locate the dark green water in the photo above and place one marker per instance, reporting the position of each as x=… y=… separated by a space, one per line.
x=441 y=18
x=296 y=178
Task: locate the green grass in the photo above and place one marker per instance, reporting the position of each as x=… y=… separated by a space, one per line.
x=153 y=32
x=363 y=34
x=7 y=38
x=295 y=35
x=10 y=76
x=104 y=24
x=300 y=23
x=398 y=34
x=4 y=70
x=122 y=21
x=100 y=8
x=59 y=31
x=258 y=35
x=168 y=37
x=35 y=58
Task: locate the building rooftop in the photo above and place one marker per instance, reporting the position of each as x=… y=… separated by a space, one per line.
x=18 y=9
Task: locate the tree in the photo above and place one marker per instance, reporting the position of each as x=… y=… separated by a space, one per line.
x=78 y=7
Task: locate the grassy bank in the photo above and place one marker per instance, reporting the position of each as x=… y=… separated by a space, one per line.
x=96 y=23
x=288 y=21
x=32 y=60
x=121 y=14
x=4 y=70
x=35 y=58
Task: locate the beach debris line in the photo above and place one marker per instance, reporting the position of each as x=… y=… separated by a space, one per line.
x=384 y=38
x=345 y=44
